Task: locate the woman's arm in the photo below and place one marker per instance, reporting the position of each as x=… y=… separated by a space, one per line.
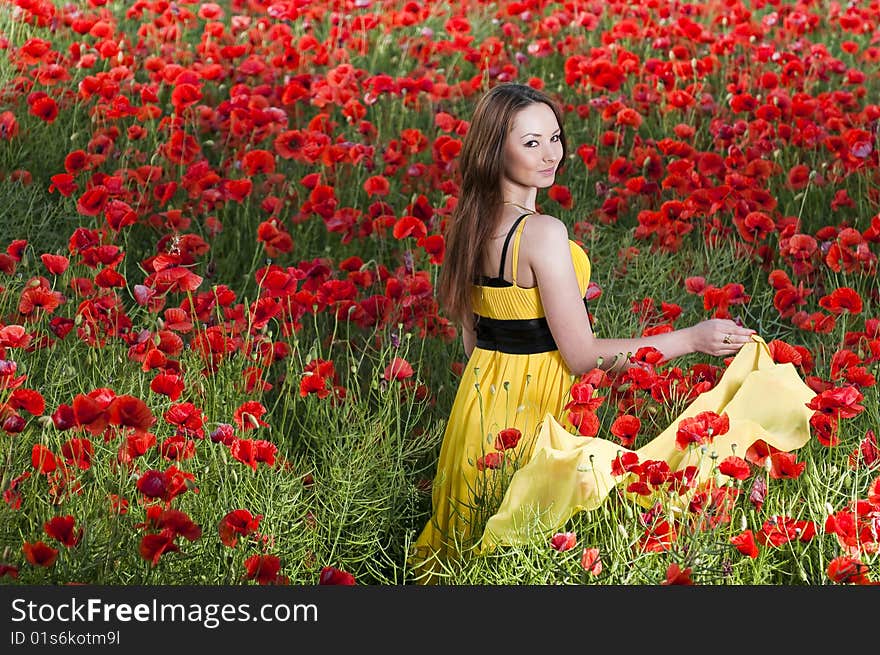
x=550 y=258
x=469 y=338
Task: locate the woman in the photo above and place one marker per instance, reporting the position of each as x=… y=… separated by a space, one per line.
x=515 y=282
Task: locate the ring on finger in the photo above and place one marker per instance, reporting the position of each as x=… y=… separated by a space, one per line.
x=726 y=338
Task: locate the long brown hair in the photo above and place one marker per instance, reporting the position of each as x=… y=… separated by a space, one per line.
x=481 y=164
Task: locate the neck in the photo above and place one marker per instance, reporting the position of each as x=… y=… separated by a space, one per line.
x=523 y=197
x=519 y=206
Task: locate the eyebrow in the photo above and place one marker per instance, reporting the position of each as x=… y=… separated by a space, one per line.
x=536 y=134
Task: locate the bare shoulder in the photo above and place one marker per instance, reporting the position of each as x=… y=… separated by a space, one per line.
x=546 y=234
x=545 y=249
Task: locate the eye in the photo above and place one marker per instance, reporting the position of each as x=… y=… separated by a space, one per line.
x=530 y=144
x=555 y=137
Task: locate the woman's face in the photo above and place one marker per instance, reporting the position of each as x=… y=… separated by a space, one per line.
x=533 y=150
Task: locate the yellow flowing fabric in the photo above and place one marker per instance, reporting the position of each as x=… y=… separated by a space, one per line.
x=497 y=391
x=569 y=473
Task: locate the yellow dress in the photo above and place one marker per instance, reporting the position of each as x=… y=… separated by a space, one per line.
x=498 y=390
x=553 y=472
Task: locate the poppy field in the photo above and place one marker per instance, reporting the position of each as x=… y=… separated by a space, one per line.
x=222 y=360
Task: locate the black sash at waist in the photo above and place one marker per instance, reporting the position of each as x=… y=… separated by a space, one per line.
x=519 y=336
x=523 y=336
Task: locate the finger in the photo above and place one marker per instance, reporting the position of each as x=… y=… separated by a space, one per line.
x=739 y=336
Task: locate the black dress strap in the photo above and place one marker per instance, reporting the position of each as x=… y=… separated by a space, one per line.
x=506 y=243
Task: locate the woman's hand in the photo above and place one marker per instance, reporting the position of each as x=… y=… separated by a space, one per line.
x=719 y=336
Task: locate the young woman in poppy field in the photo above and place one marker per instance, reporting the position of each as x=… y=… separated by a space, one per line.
x=516 y=283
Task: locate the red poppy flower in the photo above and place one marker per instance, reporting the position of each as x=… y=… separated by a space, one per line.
x=625 y=463
x=248 y=415
x=398 y=369
x=783 y=352
x=330 y=575
x=377 y=185
x=55 y=264
x=701 y=429
x=61 y=529
x=507 y=438
x=42 y=459
x=253 y=451
x=735 y=467
x=79 y=452
x=180 y=148
x=779 y=530
x=866 y=453
x=798 y=177
x=188 y=418
x=174 y=279
x=27 y=399
x=8 y=126
x=90 y=411
x=586 y=422
x=131 y=412
x=237 y=190
x=39 y=298
x=874 y=492
x=745 y=543
x=91 y=203
x=63 y=417
x=13 y=424
x=11 y=495
x=40 y=554
x=855 y=527
x=695 y=285
x=313 y=383
x=238 y=522
x=167 y=384
x=626 y=427
x=785 y=465
x=263 y=568
x=839 y=402
x=658 y=537
x=255 y=162
x=224 y=433
x=44 y=108
x=177 y=523
x=648 y=355
x=61 y=326
x=409 y=226
x=562 y=541
x=8 y=569
x=152 y=483
x=675 y=575
x=755 y=226
x=562 y=195
x=591 y=561
x=177 y=447
x=136 y=445
x=842 y=299
x=153 y=546
x=184 y=95
x=490 y=461
x=435 y=246
x=109 y=278
x=13 y=336
x=847 y=570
